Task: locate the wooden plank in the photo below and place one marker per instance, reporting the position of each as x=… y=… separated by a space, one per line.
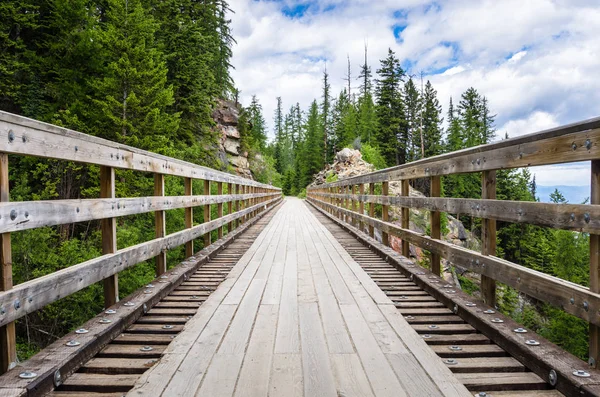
x=594 y=336
x=41 y=291
x=316 y=365
x=220 y=209
x=8 y=341
x=405 y=218
x=361 y=205
x=286 y=376
x=350 y=376
x=576 y=217
x=435 y=223
x=539 y=285
x=494 y=381
x=118 y=365
x=230 y=206
x=207 y=215
x=109 y=235
x=24 y=136
x=189 y=217
x=256 y=369
x=385 y=238
x=488 y=237
x=371 y=210
x=100 y=383
x=160 y=224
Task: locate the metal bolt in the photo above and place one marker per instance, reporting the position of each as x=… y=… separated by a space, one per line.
x=586 y=306
x=409 y=317
x=572 y=300
x=2 y=310
x=451 y=361
x=76 y=148
x=129 y=304
x=150 y=286
x=574 y=146
x=592 y=362
x=17 y=304
x=532 y=342
x=478 y=161
x=586 y=218
x=110 y=311
x=489 y=311
x=11 y=136
x=470 y=304
x=552 y=377
x=27 y=375
x=57 y=378
x=520 y=330
x=482 y=394
x=581 y=373
x=455 y=309
x=145 y=308
x=497 y=320
x=426 y=336
x=72 y=343
x=146 y=348
x=455 y=348
x=433 y=326
x=572 y=217
x=13 y=215
x=148 y=291
x=167 y=326
x=104 y=321
x=81 y=331
x=588 y=144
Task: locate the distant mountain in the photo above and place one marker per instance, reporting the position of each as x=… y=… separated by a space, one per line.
x=573 y=194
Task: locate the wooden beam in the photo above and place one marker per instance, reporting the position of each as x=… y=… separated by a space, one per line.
x=207 y=237
x=230 y=207
x=435 y=223
x=576 y=217
x=405 y=218
x=109 y=235
x=160 y=226
x=385 y=238
x=488 y=237
x=189 y=217
x=585 y=304
x=24 y=136
x=361 y=205
x=594 y=355
x=372 y=209
x=220 y=209
x=8 y=341
x=39 y=292
x=237 y=204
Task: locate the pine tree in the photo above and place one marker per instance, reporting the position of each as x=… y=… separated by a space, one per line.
x=412 y=102
x=344 y=122
x=432 y=122
x=258 y=131
x=365 y=77
x=392 y=136
x=133 y=96
x=454 y=133
x=278 y=120
x=312 y=153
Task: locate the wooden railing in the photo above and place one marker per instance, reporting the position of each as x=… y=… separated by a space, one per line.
x=574 y=142
x=21 y=136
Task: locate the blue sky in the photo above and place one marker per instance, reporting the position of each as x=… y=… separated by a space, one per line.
x=536 y=61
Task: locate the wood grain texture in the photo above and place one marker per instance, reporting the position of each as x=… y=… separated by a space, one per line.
x=189 y=216
x=8 y=341
x=207 y=213
x=488 y=237
x=594 y=264
x=160 y=224
x=109 y=235
x=435 y=223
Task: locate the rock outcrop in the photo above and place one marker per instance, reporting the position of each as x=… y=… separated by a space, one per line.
x=226 y=116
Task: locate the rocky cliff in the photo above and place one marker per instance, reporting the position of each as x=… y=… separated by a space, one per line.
x=226 y=116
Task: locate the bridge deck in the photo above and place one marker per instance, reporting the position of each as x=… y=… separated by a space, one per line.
x=297 y=316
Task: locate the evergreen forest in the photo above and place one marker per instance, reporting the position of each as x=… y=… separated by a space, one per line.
x=148 y=73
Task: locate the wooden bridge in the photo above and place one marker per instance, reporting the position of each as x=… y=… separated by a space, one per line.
x=297 y=298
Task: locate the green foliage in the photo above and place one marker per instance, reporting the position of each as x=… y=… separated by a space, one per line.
x=372 y=155
x=467 y=285
x=331 y=178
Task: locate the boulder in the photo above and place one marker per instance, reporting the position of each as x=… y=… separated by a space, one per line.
x=232 y=146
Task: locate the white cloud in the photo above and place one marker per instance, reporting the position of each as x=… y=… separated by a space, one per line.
x=576 y=174
x=537 y=66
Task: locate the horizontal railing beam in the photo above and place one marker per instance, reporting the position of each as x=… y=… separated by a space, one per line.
x=35 y=294
x=537 y=149
x=573 y=298
x=16 y=216
x=22 y=136
x=577 y=217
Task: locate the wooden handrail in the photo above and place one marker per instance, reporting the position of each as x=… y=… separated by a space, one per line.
x=23 y=136
x=570 y=143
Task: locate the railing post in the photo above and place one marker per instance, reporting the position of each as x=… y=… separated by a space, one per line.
x=595 y=264
x=109 y=235
x=354 y=220
x=488 y=237
x=237 y=204
x=160 y=224
x=207 y=212
x=189 y=217
x=405 y=217
x=361 y=206
x=435 y=225
x=8 y=340
x=220 y=209
x=229 y=206
x=385 y=238
x=371 y=209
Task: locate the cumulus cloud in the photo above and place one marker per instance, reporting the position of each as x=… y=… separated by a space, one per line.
x=535 y=61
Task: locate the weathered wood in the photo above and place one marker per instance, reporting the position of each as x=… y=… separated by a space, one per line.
x=558 y=145
x=539 y=285
x=189 y=217
x=385 y=238
x=405 y=218
x=488 y=237
x=435 y=222
x=576 y=217
x=109 y=235
x=8 y=342
x=220 y=208
x=371 y=210
x=230 y=205
x=24 y=136
x=42 y=291
x=237 y=204
x=160 y=224
x=595 y=264
x=207 y=215
x=361 y=205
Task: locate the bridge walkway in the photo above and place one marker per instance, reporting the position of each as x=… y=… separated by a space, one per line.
x=297 y=316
